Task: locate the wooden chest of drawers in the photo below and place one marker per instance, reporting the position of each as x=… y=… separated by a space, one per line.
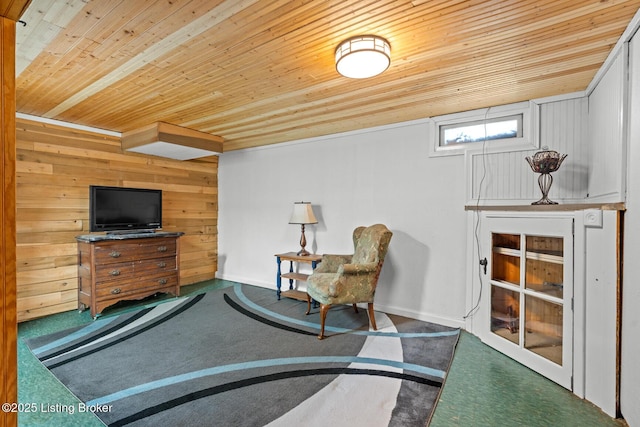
x=126 y=268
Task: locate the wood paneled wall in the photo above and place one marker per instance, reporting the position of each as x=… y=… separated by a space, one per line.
x=56 y=165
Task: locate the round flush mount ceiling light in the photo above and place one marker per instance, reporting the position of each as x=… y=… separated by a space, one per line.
x=363 y=56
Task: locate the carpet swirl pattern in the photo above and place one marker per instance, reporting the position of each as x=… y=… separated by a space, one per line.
x=239 y=357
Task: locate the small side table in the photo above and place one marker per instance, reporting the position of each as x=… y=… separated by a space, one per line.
x=294 y=257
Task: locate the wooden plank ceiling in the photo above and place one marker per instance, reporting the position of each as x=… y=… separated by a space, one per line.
x=259 y=72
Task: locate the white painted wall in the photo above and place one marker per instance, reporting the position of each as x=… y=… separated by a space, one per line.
x=596 y=333
x=507 y=179
x=377 y=175
x=630 y=369
x=606 y=134
x=381 y=175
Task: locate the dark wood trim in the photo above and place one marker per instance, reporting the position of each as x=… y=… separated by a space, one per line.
x=619 y=285
x=8 y=321
x=13 y=9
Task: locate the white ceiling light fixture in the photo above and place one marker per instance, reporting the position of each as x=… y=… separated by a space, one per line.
x=361 y=57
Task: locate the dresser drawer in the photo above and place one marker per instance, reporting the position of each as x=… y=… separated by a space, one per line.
x=127 y=270
x=120 y=290
x=117 y=252
x=115 y=271
x=156 y=265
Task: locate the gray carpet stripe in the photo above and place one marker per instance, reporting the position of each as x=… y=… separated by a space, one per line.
x=75 y=355
x=88 y=338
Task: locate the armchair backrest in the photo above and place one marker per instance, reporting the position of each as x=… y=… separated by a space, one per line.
x=371 y=245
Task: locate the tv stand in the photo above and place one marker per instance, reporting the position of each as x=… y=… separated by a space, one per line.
x=129 y=266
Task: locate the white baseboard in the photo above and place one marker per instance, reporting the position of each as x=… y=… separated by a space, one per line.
x=425 y=317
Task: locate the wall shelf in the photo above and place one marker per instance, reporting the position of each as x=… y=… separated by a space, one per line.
x=549 y=208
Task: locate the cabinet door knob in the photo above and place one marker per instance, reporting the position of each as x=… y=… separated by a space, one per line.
x=114 y=254
x=162 y=281
x=115 y=272
x=162 y=249
x=116 y=291
x=162 y=264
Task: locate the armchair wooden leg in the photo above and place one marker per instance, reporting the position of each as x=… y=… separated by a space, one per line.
x=355 y=307
x=372 y=317
x=308 y=304
x=323 y=316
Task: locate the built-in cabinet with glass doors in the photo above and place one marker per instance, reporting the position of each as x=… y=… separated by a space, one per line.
x=528 y=309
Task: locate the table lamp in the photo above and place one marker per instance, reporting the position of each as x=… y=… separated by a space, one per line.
x=302 y=214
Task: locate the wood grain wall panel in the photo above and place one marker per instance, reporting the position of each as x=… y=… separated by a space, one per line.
x=55 y=166
x=13 y=9
x=8 y=282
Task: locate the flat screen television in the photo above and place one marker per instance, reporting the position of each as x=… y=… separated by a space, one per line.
x=118 y=209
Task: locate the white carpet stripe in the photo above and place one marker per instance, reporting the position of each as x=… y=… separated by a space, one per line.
x=354 y=399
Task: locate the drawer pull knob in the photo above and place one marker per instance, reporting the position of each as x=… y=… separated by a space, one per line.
x=115 y=272
x=116 y=291
x=162 y=281
x=162 y=249
x=114 y=254
x=162 y=264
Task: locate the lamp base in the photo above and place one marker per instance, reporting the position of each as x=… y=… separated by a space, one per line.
x=303 y=243
x=303 y=252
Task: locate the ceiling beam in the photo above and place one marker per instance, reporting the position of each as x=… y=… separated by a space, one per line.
x=175 y=142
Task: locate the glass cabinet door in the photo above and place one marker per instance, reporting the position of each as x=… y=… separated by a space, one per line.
x=544 y=297
x=528 y=318
x=505 y=289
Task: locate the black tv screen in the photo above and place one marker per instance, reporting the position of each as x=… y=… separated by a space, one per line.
x=119 y=208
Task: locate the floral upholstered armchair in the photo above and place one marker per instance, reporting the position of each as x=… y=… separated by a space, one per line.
x=350 y=279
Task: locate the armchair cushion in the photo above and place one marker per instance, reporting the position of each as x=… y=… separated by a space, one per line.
x=331 y=289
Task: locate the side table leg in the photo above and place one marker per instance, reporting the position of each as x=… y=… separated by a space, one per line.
x=290 y=271
x=278 y=279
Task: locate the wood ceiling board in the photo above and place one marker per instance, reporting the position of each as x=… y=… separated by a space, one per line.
x=262 y=71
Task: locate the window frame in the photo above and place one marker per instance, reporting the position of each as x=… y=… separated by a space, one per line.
x=528 y=138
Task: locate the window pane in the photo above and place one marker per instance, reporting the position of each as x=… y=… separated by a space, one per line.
x=463 y=133
x=545 y=269
x=543 y=325
x=505 y=313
